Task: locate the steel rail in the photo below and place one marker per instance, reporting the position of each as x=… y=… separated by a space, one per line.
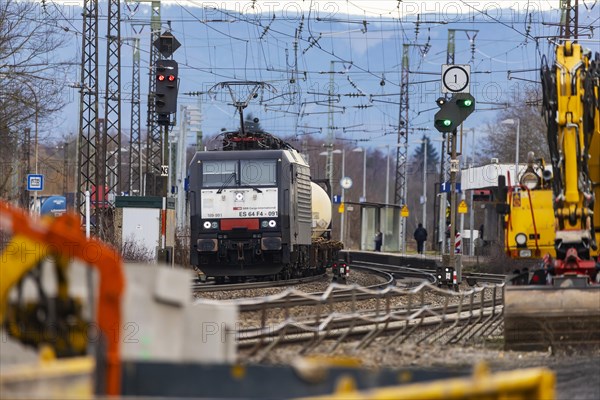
x=473 y=276
x=334 y=293
x=211 y=286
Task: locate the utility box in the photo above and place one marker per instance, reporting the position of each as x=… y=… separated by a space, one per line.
x=142 y=224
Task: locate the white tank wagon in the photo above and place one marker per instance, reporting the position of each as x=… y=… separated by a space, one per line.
x=321 y=210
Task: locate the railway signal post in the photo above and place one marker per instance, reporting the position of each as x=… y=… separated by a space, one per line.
x=165 y=99
x=452 y=113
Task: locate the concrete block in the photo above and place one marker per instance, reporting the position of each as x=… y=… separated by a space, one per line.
x=173 y=287
x=161 y=323
x=151 y=328
x=209 y=334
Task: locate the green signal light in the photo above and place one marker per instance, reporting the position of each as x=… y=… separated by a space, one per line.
x=444 y=122
x=467 y=103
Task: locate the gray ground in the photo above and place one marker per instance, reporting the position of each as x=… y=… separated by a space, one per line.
x=577 y=376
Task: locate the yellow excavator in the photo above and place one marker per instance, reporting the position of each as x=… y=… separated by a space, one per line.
x=558 y=305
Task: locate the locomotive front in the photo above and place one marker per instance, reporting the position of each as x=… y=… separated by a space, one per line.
x=243 y=219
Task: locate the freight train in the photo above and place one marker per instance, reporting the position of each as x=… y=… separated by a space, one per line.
x=255 y=211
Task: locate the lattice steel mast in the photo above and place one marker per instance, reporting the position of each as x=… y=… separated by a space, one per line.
x=88 y=137
x=402 y=145
x=330 y=133
x=402 y=148
x=135 y=151
x=154 y=145
x=569 y=24
x=110 y=173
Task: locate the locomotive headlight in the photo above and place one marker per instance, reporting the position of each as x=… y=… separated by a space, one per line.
x=530 y=180
x=207 y=225
x=521 y=239
x=264 y=224
x=214 y=225
x=272 y=223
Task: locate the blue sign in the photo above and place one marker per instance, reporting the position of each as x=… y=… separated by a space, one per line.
x=35 y=182
x=54 y=205
x=445 y=187
x=337 y=199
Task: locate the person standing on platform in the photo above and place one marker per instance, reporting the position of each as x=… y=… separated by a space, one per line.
x=378 y=241
x=420 y=236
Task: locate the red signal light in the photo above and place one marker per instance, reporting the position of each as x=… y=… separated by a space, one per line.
x=160 y=77
x=171 y=78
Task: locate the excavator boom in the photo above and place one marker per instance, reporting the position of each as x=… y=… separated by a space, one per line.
x=63 y=235
x=561 y=305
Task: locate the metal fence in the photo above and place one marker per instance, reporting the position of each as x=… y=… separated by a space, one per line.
x=424 y=314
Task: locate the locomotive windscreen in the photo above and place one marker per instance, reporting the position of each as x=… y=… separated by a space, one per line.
x=217 y=173
x=239 y=173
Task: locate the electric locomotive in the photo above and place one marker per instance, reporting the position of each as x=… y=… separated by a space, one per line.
x=251 y=210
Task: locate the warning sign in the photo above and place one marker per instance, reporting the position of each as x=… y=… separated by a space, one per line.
x=404 y=211
x=341 y=208
x=462 y=207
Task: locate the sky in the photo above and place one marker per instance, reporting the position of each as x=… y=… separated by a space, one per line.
x=293 y=46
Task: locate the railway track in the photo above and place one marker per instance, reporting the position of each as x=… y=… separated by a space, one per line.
x=462 y=316
x=400 y=271
x=384 y=309
x=212 y=285
x=334 y=293
x=388 y=279
x=339 y=293
x=422 y=267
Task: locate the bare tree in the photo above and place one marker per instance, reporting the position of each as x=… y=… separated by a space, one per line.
x=501 y=138
x=31 y=86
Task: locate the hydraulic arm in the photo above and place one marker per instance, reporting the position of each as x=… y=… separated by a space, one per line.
x=566 y=314
x=571 y=109
x=33 y=238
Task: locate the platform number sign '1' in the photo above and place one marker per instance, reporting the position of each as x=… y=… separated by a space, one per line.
x=456 y=78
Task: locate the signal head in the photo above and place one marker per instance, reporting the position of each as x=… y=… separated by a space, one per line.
x=444 y=124
x=467 y=103
x=453 y=111
x=166 y=88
